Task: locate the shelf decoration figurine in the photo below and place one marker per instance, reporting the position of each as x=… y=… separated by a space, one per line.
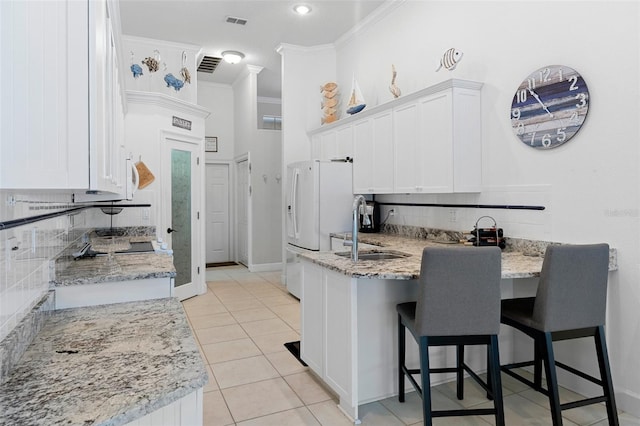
x=135 y=68
x=184 y=72
x=329 y=102
x=450 y=59
x=174 y=82
x=393 y=88
x=356 y=101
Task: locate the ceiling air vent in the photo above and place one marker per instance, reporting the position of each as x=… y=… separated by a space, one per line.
x=208 y=64
x=235 y=20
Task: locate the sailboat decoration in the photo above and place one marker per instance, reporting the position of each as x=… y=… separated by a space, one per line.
x=356 y=101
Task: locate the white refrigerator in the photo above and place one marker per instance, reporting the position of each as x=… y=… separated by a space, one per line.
x=319 y=197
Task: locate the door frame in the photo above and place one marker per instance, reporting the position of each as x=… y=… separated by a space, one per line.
x=232 y=206
x=170 y=140
x=237 y=160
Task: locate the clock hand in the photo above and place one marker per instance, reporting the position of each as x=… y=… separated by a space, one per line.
x=535 y=95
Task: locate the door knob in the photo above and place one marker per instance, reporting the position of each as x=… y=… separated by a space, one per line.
x=169 y=230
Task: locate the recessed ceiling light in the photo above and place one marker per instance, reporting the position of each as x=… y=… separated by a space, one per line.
x=302 y=9
x=232 y=56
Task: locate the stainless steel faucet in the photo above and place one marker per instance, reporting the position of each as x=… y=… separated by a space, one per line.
x=358 y=201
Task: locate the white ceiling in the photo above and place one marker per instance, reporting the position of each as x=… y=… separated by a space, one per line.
x=270 y=23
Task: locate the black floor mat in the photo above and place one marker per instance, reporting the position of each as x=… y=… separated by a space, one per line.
x=294 y=348
x=214 y=265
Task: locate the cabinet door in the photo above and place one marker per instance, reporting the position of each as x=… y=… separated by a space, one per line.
x=344 y=142
x=435 y=144
x=363 y=153
x=339 y=314
x=43 y=70
x=312 y=317
x=328 y=149
x=406 y=139
x=373 y=154
x=106 y=164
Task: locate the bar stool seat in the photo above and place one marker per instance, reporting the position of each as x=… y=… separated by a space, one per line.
x=570 y=303
x=458 y=304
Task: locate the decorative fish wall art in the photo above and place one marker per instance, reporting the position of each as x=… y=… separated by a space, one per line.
x=450 y=59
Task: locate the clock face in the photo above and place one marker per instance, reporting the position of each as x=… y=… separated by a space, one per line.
x=549 y=106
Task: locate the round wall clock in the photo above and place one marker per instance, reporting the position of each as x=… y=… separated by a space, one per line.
x=549 y=106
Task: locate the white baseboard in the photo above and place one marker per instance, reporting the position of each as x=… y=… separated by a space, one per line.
x=628 y=402
x=265 y=267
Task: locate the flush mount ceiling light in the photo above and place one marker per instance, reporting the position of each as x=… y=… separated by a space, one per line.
x=302 y=9
x=232 y=56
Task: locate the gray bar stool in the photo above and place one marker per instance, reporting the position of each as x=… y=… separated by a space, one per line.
x=458 y=304
x=570 y=303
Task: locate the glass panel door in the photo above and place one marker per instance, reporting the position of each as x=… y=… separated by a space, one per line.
x=181 y=215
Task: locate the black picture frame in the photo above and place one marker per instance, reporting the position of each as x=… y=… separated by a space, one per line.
x=211 y=144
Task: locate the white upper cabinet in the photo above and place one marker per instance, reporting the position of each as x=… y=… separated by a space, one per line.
x=61 y=107
x=373 y=148
x=333 y=144
x=425 y=142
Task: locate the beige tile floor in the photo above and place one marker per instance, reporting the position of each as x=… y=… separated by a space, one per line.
x=241 y=325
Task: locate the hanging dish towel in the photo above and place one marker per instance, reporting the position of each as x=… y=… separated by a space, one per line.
x=146 y=177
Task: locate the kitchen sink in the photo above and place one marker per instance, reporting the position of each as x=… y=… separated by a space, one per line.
x=375 y=255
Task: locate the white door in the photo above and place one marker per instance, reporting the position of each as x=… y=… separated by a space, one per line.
x=243 y=192
x=181 y=199
x=218 y=229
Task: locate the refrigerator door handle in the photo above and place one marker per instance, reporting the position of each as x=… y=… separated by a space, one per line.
x=293 y=211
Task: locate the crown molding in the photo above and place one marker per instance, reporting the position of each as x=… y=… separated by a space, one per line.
x=167 y=102
x=377 y=15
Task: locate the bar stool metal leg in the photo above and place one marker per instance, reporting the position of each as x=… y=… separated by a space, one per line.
x=605 y=375
x=552 y=379
x=401 y=358
x=425 y=380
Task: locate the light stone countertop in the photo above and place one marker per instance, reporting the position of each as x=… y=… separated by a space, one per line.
x=134 y=267
x=515 y=264
x=104 y=365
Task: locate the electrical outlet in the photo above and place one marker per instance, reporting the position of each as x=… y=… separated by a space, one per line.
x=392 y=212
x=453 y=215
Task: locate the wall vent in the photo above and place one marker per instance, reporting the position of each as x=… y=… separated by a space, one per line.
x=208 y=64
x=235 y=20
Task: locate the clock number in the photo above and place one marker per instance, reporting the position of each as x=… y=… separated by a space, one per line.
x=561 y=134
x=521 y=96
x=533 y=136
x=520 y=130
x=544 y=75
x=546 y=140
x=560 y=76
x=582 y=100
x=515 y=113
x=532 y=83
x=574 y=82
x=574 y=116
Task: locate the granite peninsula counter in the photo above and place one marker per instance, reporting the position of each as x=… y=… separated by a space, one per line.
x=524 y=260
x=349 y=318
x=105 y=365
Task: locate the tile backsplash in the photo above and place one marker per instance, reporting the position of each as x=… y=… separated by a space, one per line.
x=27 y=251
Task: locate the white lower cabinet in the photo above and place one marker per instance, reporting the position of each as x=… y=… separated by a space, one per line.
x=327 y=324
x=186 y=411
x=74 y=296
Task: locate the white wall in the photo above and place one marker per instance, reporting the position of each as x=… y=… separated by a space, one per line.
x=218 y=98
x=589 y=186
x=264 y=147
